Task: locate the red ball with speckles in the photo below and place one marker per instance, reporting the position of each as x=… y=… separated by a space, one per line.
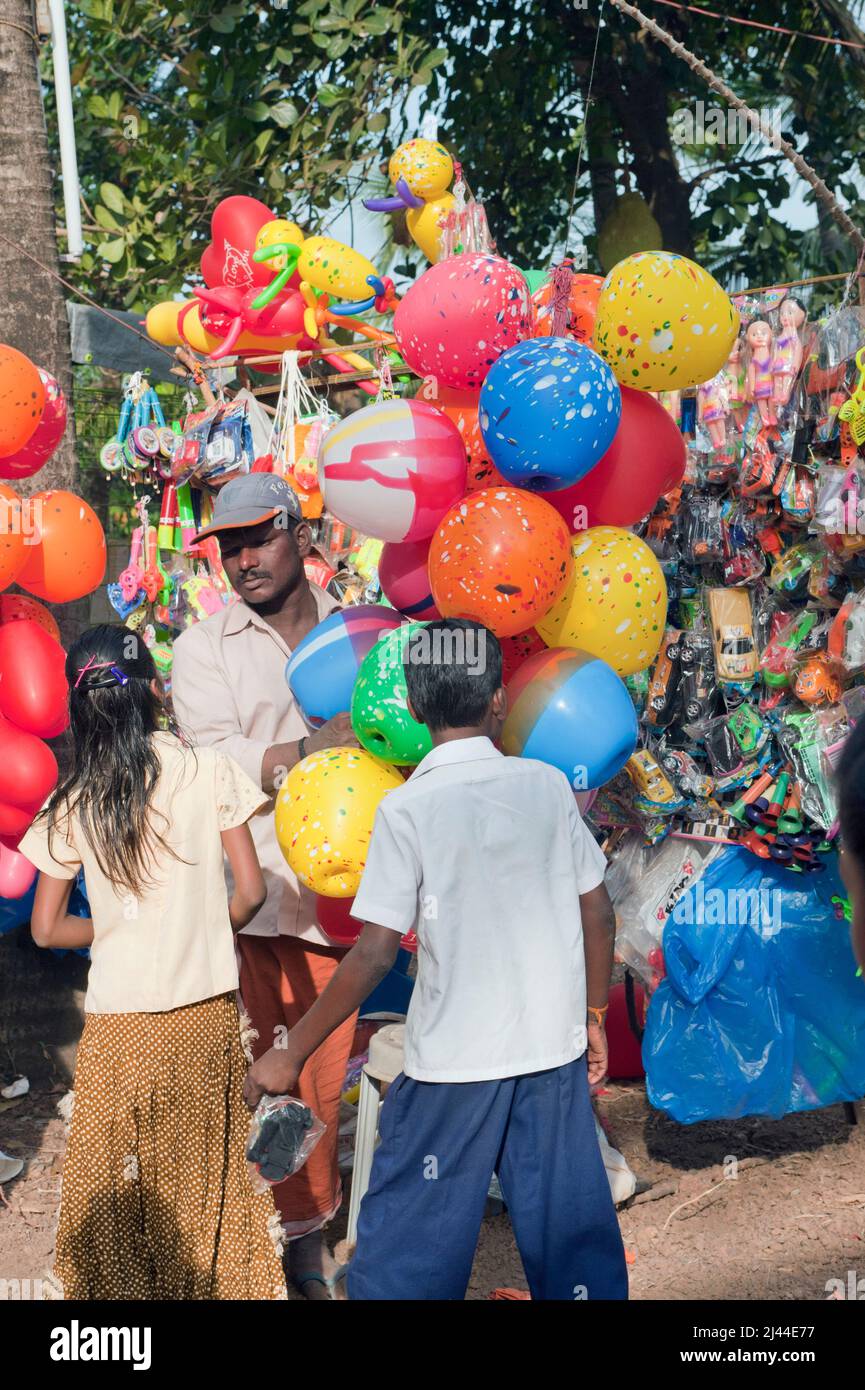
x=460 y=316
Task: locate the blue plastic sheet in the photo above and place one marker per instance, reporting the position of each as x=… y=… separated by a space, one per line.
x=761 y=1011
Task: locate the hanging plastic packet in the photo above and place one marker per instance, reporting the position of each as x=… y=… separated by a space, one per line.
x=282 y=1134
x=846 y=644
x=300 y=424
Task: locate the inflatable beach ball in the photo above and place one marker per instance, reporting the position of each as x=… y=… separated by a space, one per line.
x=460 y=316
x=379 y=706
x=403 y=573
x=549 y=410
x=663 y=322
x=615 y=603
x=393 y=469
x=501 y=558
x=322 y=669
x=571 y=710
x=324 y=817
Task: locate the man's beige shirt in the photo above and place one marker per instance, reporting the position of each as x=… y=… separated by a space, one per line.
x=229 y=691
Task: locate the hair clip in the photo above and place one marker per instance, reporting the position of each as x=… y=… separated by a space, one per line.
x=122 y=678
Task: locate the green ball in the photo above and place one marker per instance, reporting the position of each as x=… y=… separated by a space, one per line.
x=379 y=703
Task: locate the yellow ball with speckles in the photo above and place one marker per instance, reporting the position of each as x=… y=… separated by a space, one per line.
x=663 y=322
x=336 y=268
x=324 y=816
x=425 y=165
x=615 y=603
x=273 y=234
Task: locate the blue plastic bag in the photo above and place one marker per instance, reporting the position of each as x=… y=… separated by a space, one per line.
x=761 y=1012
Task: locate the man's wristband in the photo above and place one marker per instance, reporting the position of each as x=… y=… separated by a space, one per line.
x=597 y=1015
x=301 y=749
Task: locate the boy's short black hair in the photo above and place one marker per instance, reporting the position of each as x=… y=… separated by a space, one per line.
x=453 y=668
x=850 y=781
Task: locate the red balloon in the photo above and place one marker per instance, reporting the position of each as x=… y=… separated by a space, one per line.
x=15 y=820
x=460 y=315
x=28 y=772
x=228 y=259
x=41 y=445
x=462 y=408
x=336 y=921
x=33 y=688
x=517 y=649
x=404 y=578
x=16 y=608
x=645 y=460
x=16 y=873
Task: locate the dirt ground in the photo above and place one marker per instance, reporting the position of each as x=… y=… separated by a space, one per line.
x=745 y=1210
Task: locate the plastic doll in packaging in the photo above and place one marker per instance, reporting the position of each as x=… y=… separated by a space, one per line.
x=734 y=375
x=760 y=353
x=787 y=359
x=712 y=409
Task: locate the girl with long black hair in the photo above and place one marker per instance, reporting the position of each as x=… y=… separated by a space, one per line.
x=156 y=1200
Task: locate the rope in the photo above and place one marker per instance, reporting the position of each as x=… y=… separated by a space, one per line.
x=755 y=24
x=86 y=297
x=585 y=126
x=756 y=120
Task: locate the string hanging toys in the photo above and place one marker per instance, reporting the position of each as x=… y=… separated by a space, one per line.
x=300 y=423
x=144 y=445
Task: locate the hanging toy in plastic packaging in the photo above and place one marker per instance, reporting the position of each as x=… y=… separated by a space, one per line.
x=299 y=426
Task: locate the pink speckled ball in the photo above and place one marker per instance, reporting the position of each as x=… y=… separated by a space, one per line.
x=459 y=317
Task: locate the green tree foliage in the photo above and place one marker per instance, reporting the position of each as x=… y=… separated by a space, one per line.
x=182 y=102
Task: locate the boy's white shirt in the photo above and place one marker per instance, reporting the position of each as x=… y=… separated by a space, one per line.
x=485 y=857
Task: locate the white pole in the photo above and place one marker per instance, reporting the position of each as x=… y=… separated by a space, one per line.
x=66 y=128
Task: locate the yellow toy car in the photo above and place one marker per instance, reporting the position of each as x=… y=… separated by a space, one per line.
x=732 y=635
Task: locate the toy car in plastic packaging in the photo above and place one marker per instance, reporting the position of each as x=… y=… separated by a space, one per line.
x=733 y=635
x=655 y=793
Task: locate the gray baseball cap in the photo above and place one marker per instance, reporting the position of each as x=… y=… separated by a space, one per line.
x=250 y=500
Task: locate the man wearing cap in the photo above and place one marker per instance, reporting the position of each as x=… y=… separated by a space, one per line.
x=229 y=691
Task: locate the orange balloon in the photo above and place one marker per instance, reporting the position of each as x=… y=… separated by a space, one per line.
x=582 y=308
x=19 y=608
x=462 y=408
x=500 y=557
x=13 y=549
x=22 y=400
x=68 y=560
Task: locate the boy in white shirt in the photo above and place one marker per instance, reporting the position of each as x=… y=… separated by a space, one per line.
x=488 y=860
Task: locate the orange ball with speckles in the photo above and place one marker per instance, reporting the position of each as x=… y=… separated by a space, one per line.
x=500 y=557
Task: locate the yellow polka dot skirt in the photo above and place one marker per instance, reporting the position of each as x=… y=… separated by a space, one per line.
x=157 y=1201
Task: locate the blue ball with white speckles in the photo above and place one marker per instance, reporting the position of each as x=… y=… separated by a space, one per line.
x=548 y=411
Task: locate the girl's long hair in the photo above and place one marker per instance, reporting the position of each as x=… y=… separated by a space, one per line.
x=115 y=766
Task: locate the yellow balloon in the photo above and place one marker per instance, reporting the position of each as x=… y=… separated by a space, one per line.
x=425 y=165
x=663 y=322
x=272 y=233
x=324 y=817
x=161 y=322
x=425 y=225
x=332 y=266
x=615 y=604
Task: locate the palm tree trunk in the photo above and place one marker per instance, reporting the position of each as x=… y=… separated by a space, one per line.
x=32 y=306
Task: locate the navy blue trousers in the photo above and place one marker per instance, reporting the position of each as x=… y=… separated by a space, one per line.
x=441 y=1143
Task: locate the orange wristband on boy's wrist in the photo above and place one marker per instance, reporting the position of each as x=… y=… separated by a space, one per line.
x=597 y=1015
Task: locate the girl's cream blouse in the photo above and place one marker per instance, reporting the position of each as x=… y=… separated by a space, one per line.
x=173 y=944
